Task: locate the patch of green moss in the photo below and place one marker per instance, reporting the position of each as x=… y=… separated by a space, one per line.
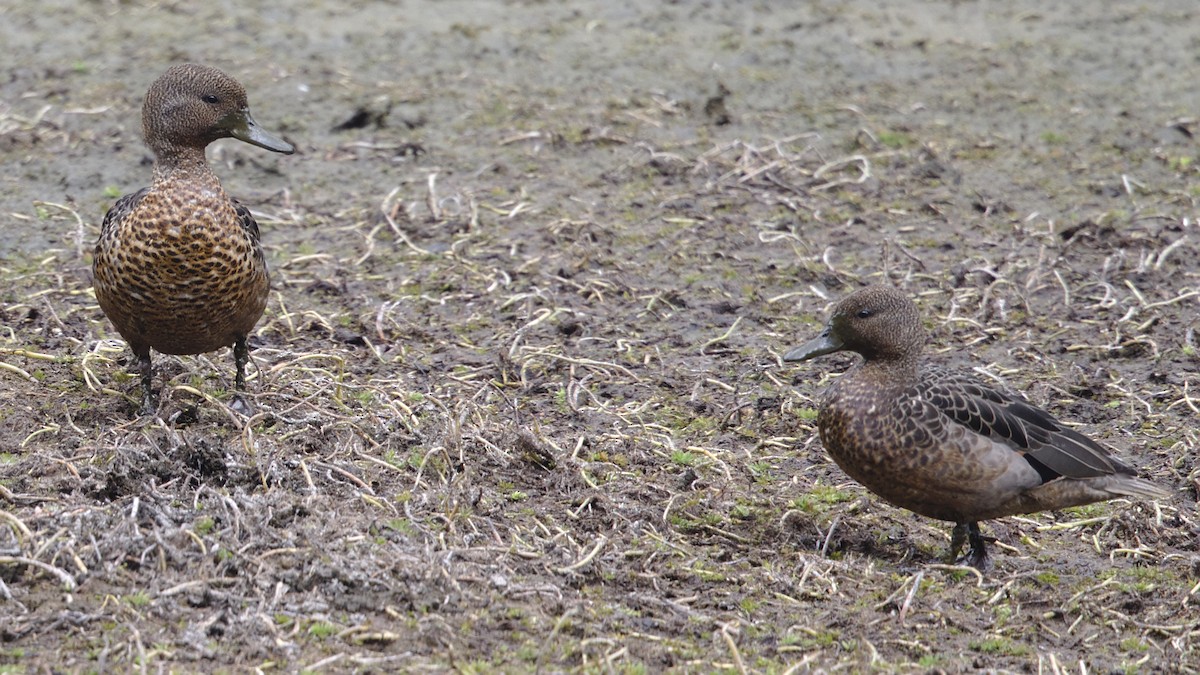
x=807 y=414
x=138 y=599
x=819 y=499
x=204 y=525
x=321 y=629
x=1087 y=511
x=683 y=458
x=1000 y=646
x=895 y=139
x=1046 y=578
x=1132 y=644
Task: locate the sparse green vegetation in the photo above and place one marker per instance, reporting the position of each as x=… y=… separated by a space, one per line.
x=1000 y=646
x=683 y=457
x=538 y=235
x=321 y=629
x=807 y=414
x=204 y=525
x=138 y=599
x=819 y=498
x=895 y=139
x=1047 y=578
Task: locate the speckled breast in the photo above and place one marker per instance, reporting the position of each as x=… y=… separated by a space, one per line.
x=181 y=273
x=889 y=455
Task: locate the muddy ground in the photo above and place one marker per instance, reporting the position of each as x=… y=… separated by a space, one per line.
x=519 y=396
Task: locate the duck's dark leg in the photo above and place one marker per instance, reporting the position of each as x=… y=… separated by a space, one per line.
x=149 y=406
x=977 y=555
x=241 y=356
x=958 y=537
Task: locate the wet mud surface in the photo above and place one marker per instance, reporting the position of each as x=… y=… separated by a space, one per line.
x=519 y=398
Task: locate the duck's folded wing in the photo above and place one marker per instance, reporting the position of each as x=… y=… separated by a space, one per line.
x=1051 y=448
x=247 y=220
x=121 y=210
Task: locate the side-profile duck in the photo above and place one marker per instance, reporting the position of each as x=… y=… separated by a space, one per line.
x=178 y=267
x=942 y=444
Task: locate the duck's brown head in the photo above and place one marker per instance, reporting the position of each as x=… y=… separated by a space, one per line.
x=879 y=322
x=191 y=105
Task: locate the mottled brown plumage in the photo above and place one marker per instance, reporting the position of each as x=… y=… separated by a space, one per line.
x=178 y=267
x=941 y=443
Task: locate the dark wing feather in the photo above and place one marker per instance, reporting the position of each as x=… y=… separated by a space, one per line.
x=247 y=220
x=121 y=210
x=1052 y=449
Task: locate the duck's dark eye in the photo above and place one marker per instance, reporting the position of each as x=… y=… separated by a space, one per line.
x=864 y=313
x=210 y=98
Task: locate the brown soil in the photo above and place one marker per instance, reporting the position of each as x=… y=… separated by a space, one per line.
x=519 y=391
